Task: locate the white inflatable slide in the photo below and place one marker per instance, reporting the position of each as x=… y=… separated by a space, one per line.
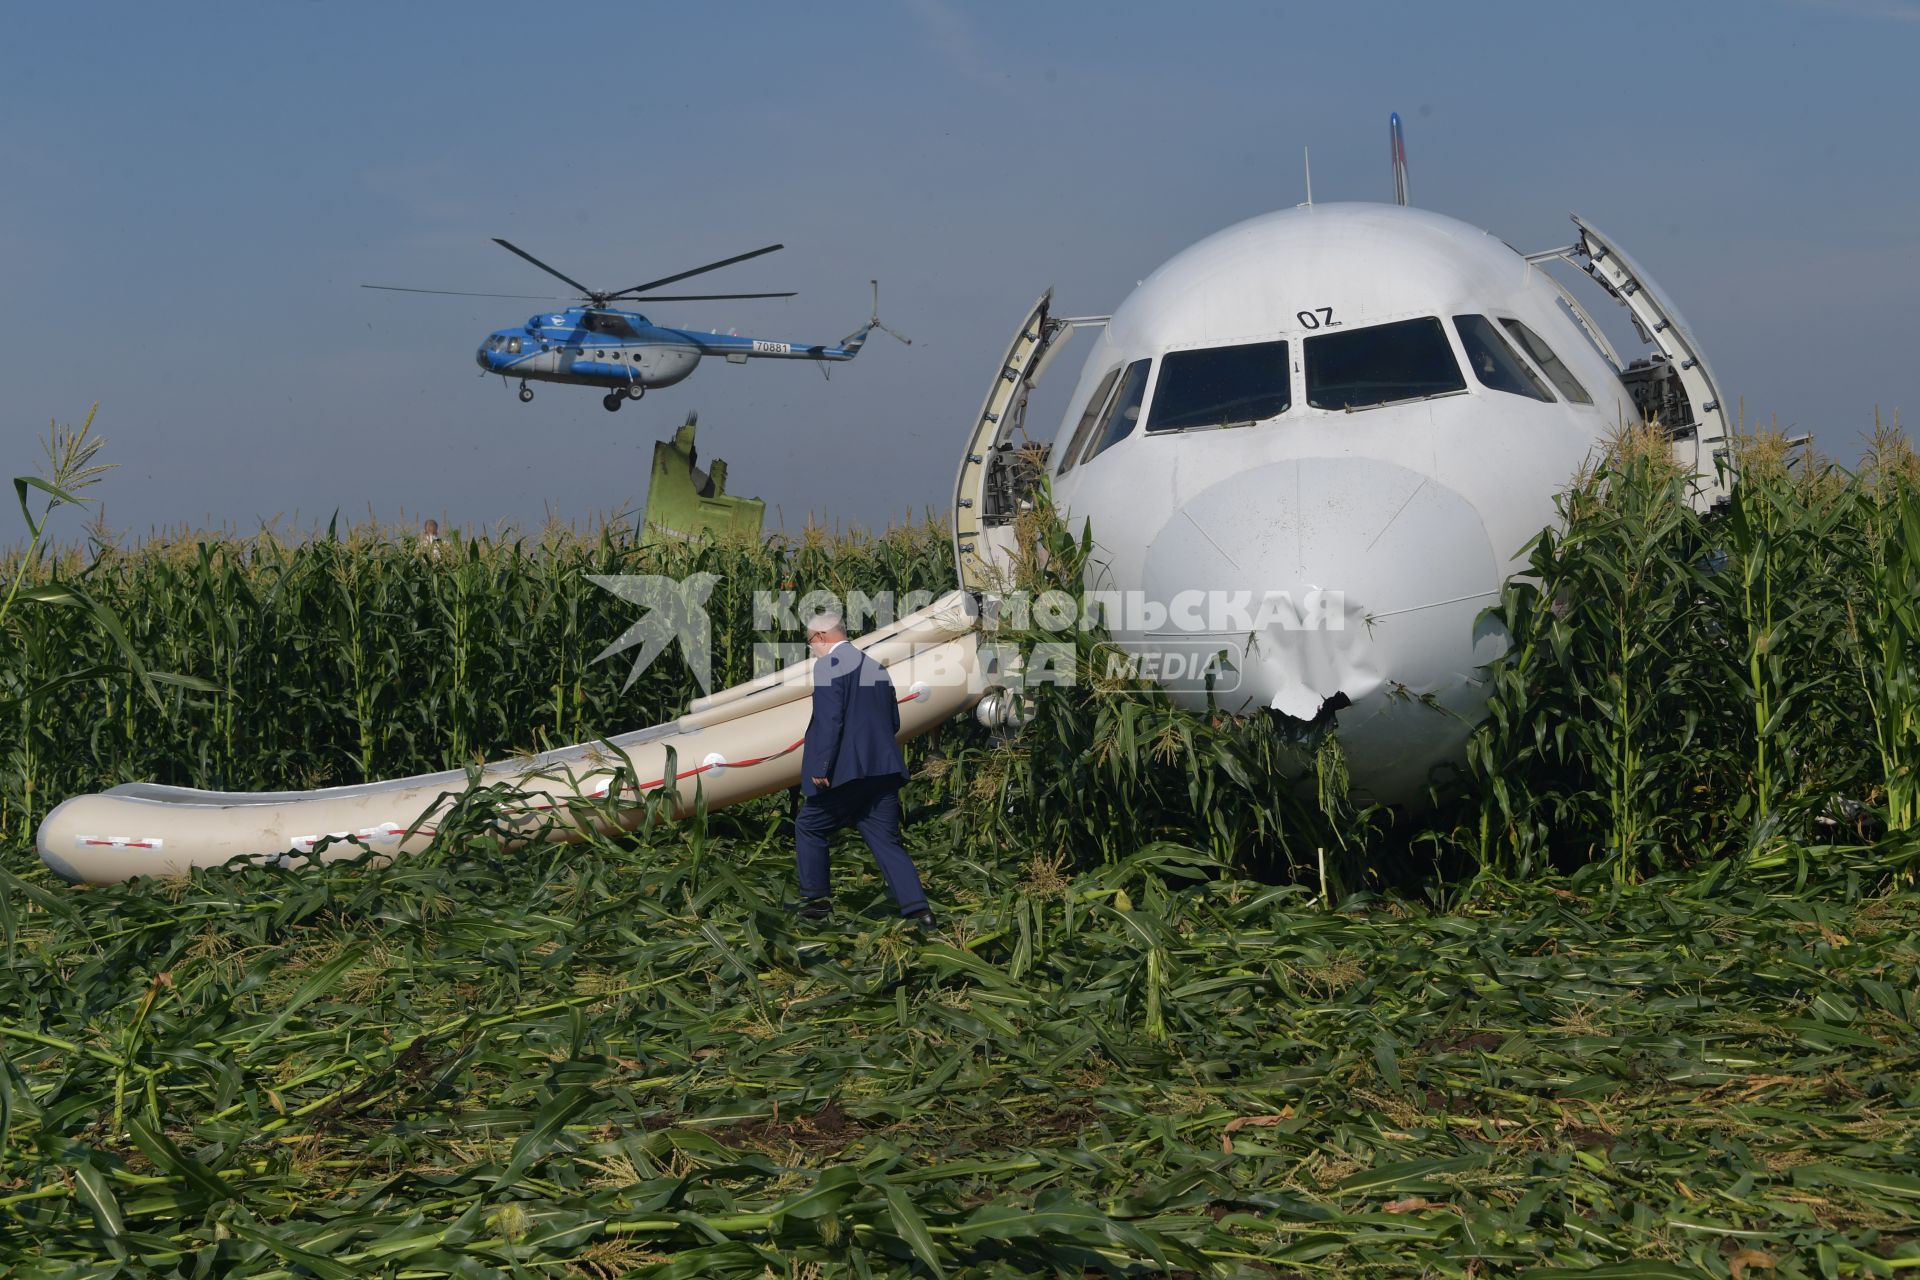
x=731 y=746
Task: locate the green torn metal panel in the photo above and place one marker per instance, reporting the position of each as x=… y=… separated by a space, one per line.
x=683 y=499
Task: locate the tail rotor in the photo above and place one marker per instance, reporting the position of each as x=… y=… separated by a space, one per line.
x=855 y=340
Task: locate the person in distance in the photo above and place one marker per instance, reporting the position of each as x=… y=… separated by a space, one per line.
x=851 y=772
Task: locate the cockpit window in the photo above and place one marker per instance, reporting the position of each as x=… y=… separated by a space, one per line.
x=1221 y=387
x=615 y=326
x=1536 y=346
x=1123 y=412
x=1381 y=364
x=1095 y=403
x=513 y=346
x=1495 y=363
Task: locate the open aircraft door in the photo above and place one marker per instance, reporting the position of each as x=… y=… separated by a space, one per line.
x=1674 y=388
x=1001 y=465
x=993 y=472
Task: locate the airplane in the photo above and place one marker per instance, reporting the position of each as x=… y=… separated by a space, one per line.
x=1356 y=413
x=624 y=353
x=1350 y=417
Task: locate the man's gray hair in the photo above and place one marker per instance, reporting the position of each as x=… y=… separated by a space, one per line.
x=828 y=623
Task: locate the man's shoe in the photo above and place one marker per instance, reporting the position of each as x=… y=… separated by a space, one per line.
x=815 y=909
x=923 y=920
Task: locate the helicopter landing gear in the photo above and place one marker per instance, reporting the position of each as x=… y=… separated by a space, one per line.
x=613 y=399
x=526 y=393
x=636 y=390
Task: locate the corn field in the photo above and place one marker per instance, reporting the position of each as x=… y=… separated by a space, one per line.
x=365 y=654
x=1633 y=996
x=1685 y=688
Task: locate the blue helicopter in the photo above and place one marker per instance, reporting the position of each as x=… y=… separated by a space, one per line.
x=599 y=345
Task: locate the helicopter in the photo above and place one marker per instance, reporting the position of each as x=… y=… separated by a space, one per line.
x=624 y=353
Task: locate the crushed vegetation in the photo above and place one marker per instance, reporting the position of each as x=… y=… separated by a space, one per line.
x=1638 y=998
x=612 y=1057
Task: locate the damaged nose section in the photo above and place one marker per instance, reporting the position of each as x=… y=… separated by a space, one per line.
x=1325 y=658
x=1363 y=581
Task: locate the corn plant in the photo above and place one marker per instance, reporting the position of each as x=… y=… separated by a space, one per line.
x=1888 y=625
x=32 y=665
x=1615 y=662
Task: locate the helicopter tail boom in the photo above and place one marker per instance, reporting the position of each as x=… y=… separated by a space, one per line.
x=738 y=349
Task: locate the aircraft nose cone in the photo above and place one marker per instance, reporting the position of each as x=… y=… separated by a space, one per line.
x=1366 y=579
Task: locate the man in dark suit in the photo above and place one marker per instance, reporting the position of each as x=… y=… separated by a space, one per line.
x=851 y=771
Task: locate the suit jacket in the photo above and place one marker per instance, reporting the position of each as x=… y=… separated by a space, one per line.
x=856 y=722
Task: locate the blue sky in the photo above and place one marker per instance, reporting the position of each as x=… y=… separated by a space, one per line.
x=194 y=192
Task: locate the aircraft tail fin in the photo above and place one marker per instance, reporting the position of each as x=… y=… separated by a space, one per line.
x=1399 y=144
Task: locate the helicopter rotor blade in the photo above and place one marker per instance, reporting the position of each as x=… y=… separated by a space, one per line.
x=706 y=297
x=460 y=293
x=711 y=266
x=516 y=249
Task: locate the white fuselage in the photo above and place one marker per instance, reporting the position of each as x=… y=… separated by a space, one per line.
x=1387 y=529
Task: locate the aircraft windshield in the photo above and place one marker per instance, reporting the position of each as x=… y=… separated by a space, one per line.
x=1494 y=362
x=1095 y=403
x=1221 y=387
x=1123 y=412
x=1534 y=345
x=1405 y=360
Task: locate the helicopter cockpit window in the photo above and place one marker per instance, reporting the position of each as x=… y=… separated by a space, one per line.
x=613 y=326
x=1123 y=413
x=1495 y=363
x=513 y=346
x=1221 y=387
x=1095 y=403
x=1381 y=364
x=1562 y=377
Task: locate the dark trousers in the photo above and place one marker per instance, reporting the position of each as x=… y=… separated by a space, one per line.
x=872 y=805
